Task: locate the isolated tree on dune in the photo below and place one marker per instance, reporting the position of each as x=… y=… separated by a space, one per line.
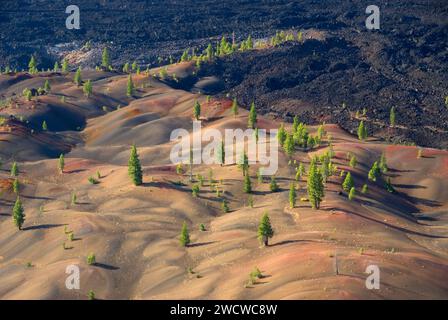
x=252 y=122
x=315 y=186
x=134 y=167
x=14 y=170
x=392 y=117
x=105 y=60
x=130 y=87
x=77 y=78
x=348 y=182
x=247 y=184
x=61 y=163
x=353 y=161
x=184 y=235
x=18 y=214
x=243 y=164
x=87 y=88
x=265 y=230
x=292 y=195
x=56 y=67
x=196 y=110
x=235 y=107
x=362 y=131
x=44 y=126
x=383 y=163
x=224 y=206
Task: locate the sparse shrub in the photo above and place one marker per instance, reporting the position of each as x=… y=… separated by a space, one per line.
x=225 y=206
x=92 y=180
x=247 y=184
x=87 y=88
x=419 y=153
x=179 y=169
x=250 y=201
x=364 y=189
x=71 y=236
x=196 y=110
x=195 y=190
x=61 y=163
x=74 y=199
x=292 y=195
x=44 y=126
x=389 y=187
x=202 y=227
x=91 y=295
x=273 y=186
x=77 y=78
x=91 y=259
x=14 y=169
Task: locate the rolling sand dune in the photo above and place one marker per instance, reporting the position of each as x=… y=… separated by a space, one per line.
x=133 y=231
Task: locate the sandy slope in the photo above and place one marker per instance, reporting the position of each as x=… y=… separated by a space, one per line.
x=134 y=231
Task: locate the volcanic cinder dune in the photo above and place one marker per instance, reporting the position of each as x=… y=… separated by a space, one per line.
x=134 y=230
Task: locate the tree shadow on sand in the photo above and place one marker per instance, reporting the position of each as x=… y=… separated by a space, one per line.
x=44 y=226
x=200 y=244
x=106 y=266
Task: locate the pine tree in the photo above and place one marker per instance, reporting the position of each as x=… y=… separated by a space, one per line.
x=281 y=135
x=77 y=78
x=353 y=161
x=222 y=154
x=295 y=124
x=184 y=235
x=243 y=164
x=364 y=189
x=352 y=193
x=247 y=184
x=348 y=182
x=64 y=66
x=134 y=167
x=315 y=186
x=32 y=65
x=15 y=186
x=44 y=126
x=374 y=172
x=61 y=163
x=47 y=86
x=292 y=195
x=105 y=60
x=392 y=117
x=14 y=170
x=235 y=107
x=225 y=206
x=87 y=88
x=320 y=134
x=126 y=67
x=265 y=230
x=130 y=87
x=252 y=122
x=389 y=186
x=18 y=215
x=196 y=110
x=362 y=131
x=289 y=145
x=195 y=190
x=273 y=186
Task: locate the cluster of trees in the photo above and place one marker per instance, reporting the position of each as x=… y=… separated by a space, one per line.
x=282 y=36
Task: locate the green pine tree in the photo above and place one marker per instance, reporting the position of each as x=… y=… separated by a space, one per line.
x=130 y=87
x=348 y=182
x=392 y=117
x=47 y=86
x=235 y=107
x=295 y=124
x=44 y=126
x=292 y=195
x=247 y=184
x=56 y=67
x=222 y=154
x=16 y=186
x=273 y=186
x=196 y=110
x=362 y=131
x=374 y=172
x=265 y=230
x=61 y=163
x=225 y=206
x=105 y=60
x=252 y=122
x=184 y=235
x=364 y=189
x=243 y=164
x=64 y=66
x=14 y=170
x=77 y=78
x=289 y=145
x=18 y=214
x=134 y=167
x=383 y=163
x=87 y=88
x=352 y=193
x=353 y=161
x=315 y=186
x=281 y=135
x=32 y=65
